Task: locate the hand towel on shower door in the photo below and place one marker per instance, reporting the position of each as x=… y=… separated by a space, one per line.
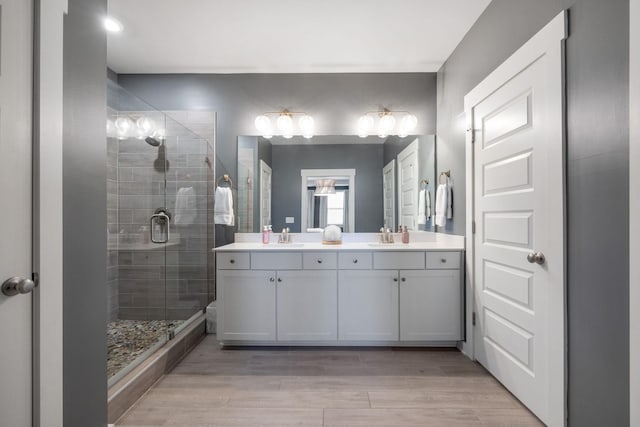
x=186 y=206
x=223 y=206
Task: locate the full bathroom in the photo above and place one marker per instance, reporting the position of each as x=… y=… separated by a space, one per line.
x=326 y=214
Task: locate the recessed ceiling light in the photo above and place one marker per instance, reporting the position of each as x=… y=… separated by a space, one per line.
x=112 y=25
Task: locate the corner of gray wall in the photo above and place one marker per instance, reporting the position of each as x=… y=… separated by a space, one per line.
x=84 y=215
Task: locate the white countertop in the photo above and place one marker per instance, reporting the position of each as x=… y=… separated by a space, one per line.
x=421 y=241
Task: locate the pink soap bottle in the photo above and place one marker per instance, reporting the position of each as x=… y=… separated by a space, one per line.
x=265 y=235
x=405 y=235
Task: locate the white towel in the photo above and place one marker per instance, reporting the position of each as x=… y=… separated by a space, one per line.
x=185 y=206
x=444 y=199
x=428 y=208
x=223 y=206
x=422 y=205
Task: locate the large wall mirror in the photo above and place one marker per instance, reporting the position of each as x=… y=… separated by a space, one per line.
x=359 y=184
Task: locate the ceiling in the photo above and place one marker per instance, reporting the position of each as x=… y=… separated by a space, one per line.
x=287 y=36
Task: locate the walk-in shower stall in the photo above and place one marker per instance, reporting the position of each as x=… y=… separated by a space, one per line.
x=160 y=181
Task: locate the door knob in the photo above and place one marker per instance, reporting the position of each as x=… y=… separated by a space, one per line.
x=17 y=285
x=536 y=257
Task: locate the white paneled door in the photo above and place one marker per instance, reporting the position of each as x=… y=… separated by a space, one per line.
x=517 y=120
x=16 y=18
x=408 y=186
x=389 y=194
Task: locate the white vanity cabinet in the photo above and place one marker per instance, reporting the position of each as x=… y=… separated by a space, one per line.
x=249 y=309
x=283 y=296
x=368 y=305
x=340 y=297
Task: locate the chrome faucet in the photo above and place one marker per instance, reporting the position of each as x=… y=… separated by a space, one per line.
x=285 y=237
x=385 y=235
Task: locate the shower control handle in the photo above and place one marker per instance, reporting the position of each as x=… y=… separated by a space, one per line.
x=161 y=218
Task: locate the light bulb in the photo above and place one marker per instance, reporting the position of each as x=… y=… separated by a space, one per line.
x=263 y=124
x=111 y=129
x=382 y=135
x=386 y=125
x=146 y=125
x=112 y=25
x=287 y=136
x=365 y=125
x=306 y=124
x=285 y=124
x=267 y=136
x=123 y=124
x=140 y=133
x=408 y=124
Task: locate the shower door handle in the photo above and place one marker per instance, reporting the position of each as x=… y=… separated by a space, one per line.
x=160 y=219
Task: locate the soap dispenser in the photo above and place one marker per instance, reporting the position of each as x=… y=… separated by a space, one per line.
x=265 y=234
x=405 y=235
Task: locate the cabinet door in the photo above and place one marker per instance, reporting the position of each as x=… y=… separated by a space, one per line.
x=430 y=305
x=307 y=305
x=368 y=305
x=247 y=305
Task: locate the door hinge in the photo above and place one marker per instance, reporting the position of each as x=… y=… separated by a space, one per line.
x=473 y=135
x=473 y=318
x=473 y=227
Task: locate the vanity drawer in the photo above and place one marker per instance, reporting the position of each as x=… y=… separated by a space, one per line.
x=400 y=260
x=276 y=261
x=443 y=260
x=319 y=260
x=233 y=260
x=354 y=260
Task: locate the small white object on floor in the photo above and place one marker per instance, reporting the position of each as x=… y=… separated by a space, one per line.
x=210 y=316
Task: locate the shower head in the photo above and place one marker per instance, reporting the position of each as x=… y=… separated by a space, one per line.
x=152 y=141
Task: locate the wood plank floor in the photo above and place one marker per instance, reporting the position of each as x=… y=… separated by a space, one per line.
x=326 y=387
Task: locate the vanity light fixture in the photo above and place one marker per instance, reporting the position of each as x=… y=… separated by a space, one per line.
x=386 y=124
x=284 y=124
x=140 y=127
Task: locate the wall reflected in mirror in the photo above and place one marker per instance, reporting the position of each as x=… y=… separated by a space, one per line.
x=278 y=179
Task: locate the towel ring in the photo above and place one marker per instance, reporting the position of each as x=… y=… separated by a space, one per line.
x=447 y=174
x=424 y=182
x=225 y=178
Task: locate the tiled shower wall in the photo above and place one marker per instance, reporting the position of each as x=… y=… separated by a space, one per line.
x=142 y=266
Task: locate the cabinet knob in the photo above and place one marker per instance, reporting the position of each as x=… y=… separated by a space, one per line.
x=395 y=279
x=271 y=279
x=279 y=279
x=355 y=260
x=443 y=260
x=232 y=261
x=319 y=261
x=404 y=279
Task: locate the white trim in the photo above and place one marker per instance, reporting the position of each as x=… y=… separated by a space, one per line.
x=264 y=167
x=307 y=173
x=634 y=212
x=390 y=166
x=546 y=41
x=48 y=306
x=412 y=147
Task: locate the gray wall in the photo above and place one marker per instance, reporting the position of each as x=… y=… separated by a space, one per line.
x=335 y=100
x=597 y=179
x=84 y=215
x=366 y=159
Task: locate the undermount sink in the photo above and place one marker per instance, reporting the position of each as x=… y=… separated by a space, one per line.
x=376 y=244
x=290 y=245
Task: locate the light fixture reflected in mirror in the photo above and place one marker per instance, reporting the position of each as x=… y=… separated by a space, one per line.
x=284 y=124
x=386 y=124
x=325 y=187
